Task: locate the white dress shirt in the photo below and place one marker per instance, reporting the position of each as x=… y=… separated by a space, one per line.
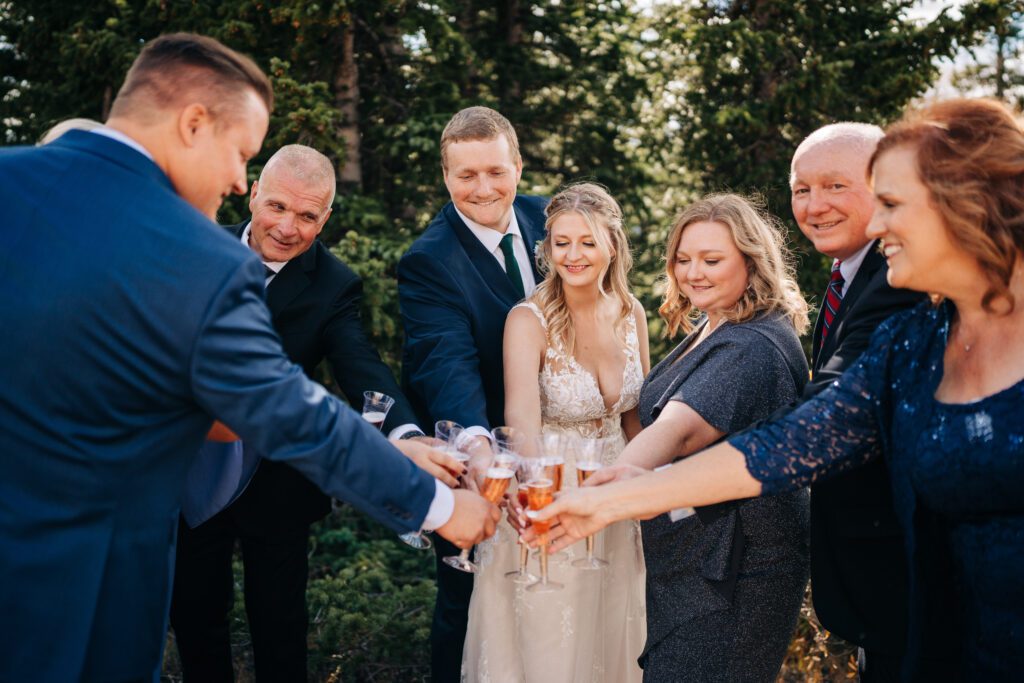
x=848 y=268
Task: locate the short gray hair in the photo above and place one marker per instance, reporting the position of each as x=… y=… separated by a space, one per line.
x=304 y=163
x=861 y=136
x=64 y=126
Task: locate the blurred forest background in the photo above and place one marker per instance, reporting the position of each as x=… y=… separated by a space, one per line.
x=658 y=100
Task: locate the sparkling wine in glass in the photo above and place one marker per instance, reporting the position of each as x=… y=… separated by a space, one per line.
x=588 y=461
x=539 y=494
x=495 y=484
x=510 y=447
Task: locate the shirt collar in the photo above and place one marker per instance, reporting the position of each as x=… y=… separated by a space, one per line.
x=848 y=268
x=275 y=266
x=491 y=239
x=123 y=139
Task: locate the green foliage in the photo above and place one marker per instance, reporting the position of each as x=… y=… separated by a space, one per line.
x=763 y=74
x=660 y=102
x=996 y=67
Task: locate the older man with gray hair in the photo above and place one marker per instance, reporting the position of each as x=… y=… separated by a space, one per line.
x=858 y=566
x=314 y=302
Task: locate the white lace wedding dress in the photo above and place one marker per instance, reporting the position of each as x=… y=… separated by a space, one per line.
x=593 y=630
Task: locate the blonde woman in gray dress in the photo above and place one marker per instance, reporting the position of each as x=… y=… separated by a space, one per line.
x=576 y=354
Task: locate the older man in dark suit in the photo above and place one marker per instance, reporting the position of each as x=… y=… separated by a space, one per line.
x=314 y=304
x=456 y=284
x=858 y=566
x=130 y=320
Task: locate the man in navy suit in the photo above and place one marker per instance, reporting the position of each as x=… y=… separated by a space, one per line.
x=314 y=302
x=456 y=284
x=130 y=319
x=858 y=566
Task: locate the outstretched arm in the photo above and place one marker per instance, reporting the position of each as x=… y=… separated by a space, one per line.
x=712 y=476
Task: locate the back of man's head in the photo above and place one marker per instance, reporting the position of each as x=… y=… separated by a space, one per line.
x=478 y=123
x=860 y=137
x=181 y=68
x=58 y=129
x=303 y=163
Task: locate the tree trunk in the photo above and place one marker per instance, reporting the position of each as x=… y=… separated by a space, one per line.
x=510 y=35
x=346 y=97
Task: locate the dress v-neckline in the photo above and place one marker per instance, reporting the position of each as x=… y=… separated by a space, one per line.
x=614 y=407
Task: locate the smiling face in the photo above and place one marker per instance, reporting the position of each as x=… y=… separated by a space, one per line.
x=575 y=251
x=918 y=247
x=830 y=197
x=287 y=213
x=709 y=268
x=481 y=177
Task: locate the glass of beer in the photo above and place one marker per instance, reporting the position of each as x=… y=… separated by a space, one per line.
x=539 y=494
x=589 y=458
x=493 y=489
x=375 y=407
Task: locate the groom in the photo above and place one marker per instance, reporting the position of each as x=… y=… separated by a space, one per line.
x=456 y=284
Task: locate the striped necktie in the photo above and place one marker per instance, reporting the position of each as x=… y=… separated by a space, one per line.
x=833 y=297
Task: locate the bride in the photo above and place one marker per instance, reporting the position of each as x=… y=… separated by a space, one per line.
x=575 y=356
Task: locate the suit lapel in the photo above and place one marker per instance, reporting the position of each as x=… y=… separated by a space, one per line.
x=531 y=235
x=484 y=261
x=291 y=280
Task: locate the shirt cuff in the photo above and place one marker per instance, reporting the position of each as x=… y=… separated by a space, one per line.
x=441 y=508
x=477 y=430
x=401 y=431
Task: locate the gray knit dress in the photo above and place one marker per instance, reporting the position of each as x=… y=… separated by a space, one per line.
x=724 y=586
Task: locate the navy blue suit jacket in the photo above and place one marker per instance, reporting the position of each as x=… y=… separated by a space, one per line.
x=858 y=565
x=314 y=304
x=129 y=320
x=455 y=297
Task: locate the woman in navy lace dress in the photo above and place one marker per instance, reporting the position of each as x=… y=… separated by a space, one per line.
x=940 y=393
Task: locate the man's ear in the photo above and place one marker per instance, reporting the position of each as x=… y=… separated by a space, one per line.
x=191 y=120
x=324 y=221
x=253 y=191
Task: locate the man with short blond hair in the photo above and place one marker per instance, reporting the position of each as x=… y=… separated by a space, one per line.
x=134 y=321
x=456 y=284
x=858 y=566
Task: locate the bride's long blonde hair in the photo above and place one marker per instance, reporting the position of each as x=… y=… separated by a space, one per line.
x=604 y=218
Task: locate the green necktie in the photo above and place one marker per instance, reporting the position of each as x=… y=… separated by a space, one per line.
x=512 y=266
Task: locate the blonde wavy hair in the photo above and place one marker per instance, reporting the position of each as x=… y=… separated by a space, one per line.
x=761 y=240
x=603 y=216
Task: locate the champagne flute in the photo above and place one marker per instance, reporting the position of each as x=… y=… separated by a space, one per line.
x=453 y=437
x=539 y=494
x=375 y=410
x=495 y=484
x=551 y=447
x=509 y=440
x=588 y=460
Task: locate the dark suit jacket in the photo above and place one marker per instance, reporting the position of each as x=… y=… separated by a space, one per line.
x=858 y=566
x=314 y=304
x=455 y=297
x=128 y=321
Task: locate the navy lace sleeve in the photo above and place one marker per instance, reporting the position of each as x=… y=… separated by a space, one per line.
x=841 y=428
